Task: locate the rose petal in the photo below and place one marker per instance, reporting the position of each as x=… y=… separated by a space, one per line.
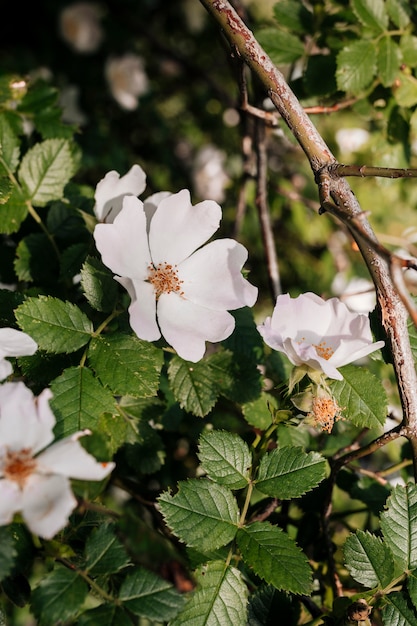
x=123 y=245
x=212 y=276
x=178 y=228
x=111 y=190
x=10 y=500
x=187 y=326
x=25 y=421
x=142 y=310
x=47 y=504
x=151 y=204
x=68 y=458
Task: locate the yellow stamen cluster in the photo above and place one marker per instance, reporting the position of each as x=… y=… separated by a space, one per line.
x=324 y=350
x=18 y=466
x=164 y=278
x=325 y=412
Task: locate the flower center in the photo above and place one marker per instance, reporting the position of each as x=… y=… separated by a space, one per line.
x=164 y=278
x=323 y=350
x=18 y=466
x=325 y=412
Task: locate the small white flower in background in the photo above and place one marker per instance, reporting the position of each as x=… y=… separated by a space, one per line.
x=177 y=288
x=111 y=190
x=80 y=26
x=14 y=343
x=209 y=177
x=357 y=293
x=69 y=102
x=320 y=334
x=351 y=139
x=127 y=80
x=34 y=478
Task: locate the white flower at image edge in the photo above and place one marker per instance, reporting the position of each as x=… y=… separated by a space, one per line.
x=322 y=334
x=14 y=343
x=34 y=478
x=111 y=190
x=177 y=288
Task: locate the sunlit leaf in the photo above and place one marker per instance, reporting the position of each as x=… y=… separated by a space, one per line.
x=219 y=599
x=202 y=513
x=399 y=523
x=78 y=401
x=368 y=559
x=372 y=13
x=290 y=472
x=55 y=325
x=361 y=397
x=275 y=557
x=356 y=66
x=226 y=458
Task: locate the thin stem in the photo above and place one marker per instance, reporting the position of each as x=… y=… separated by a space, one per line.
x=264 y=212
x=366 y=170
x=97 y=589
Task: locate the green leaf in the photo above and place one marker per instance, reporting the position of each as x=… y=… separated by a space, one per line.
x=8 y=552
x=45 y=170
x=389 y=60
x=202 y=513
x=58 y=597
x=282 y=47
x=275 y=557
x=258 y=412
x=126 y=364
x=195 y=385
x=105 y=615
x=406 y=93
x=290 y=472
x=98 y=285
x=145 y=594
x=104 y=553
x=78 y=401
x=55 y=325
x=356 y=66
x=13 y=212
x=399 y=11
x=361 y=396
x=412 y=587
x=226 y=458
x=219 y=599
x=9 y=146
x=36 y=260
x=398 y=611
x=293 y=15
x=408 y=46
x=372 y=14
x=399 y=523
x=369 y=560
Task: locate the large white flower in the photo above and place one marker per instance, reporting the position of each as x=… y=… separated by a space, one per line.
x=321 y=334
x=34 y=478
x=111 y=190
x=177 y=288
x=14 y=343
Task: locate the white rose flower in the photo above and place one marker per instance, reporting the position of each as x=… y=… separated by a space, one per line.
x=322 y=334
x=127 y=80
x=177 y=288
x=14 y=343
x=34 y=478
x=111 y=190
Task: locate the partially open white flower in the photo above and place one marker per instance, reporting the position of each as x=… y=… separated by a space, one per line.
x=14 y=343
x=111 y=190
x=321 y=334
x=127 y=80
x=34 y=478
x=80 y=26
x=177 y=288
